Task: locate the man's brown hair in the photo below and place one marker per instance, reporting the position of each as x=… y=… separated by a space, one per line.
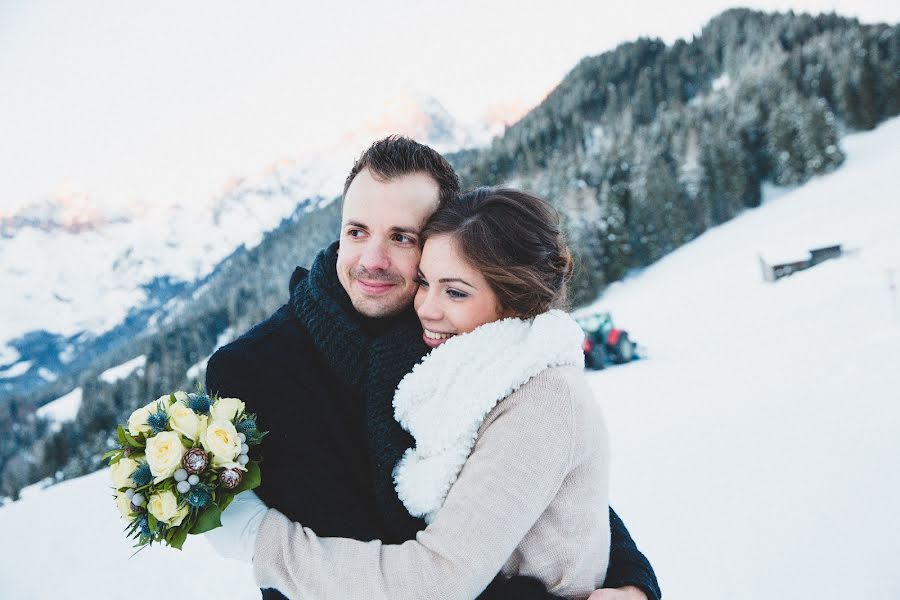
x=397 y=155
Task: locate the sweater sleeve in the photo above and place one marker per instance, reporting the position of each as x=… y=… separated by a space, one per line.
x=627 y=565
x=514 y=471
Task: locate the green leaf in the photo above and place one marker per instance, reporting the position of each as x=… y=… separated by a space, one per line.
x=225 y=501
x=252 y=478
x=209 y=519
x=120 y=433
x=113 y=456
x=130 y=440
x=177 y=539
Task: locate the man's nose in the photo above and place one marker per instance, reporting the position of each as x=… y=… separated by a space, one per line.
x=375 y=257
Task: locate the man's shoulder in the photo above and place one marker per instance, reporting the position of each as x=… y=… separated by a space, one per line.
x=281 y=332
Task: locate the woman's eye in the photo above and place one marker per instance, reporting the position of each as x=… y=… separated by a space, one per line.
x=421 y=281
x=456 y=294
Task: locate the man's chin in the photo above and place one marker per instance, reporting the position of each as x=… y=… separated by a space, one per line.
x=381 y=307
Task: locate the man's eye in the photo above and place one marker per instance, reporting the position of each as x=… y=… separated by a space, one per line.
x=404 y=239
x=354 y=232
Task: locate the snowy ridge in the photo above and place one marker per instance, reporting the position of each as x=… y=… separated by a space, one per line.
x=84 y=268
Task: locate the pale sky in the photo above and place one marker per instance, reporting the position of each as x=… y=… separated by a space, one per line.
x=163 y=101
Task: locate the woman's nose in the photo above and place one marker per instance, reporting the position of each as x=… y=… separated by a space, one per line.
x=427 y=306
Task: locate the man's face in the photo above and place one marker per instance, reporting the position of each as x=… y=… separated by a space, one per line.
x=381 y=223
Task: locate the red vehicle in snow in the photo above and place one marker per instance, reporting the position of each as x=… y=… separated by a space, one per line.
x=605 y=344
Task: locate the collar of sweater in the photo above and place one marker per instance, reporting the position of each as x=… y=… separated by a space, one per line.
x=446 y=397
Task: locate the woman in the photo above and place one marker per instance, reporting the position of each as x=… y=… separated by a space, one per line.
x=511 y=461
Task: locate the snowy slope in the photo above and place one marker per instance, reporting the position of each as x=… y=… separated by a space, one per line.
x=754 y=453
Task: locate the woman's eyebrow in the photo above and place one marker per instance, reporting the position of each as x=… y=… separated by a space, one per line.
x=453 y=279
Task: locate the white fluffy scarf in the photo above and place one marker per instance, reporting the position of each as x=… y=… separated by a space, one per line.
x=446 y=397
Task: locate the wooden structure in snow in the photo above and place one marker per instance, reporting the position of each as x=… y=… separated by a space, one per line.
x=774 y=271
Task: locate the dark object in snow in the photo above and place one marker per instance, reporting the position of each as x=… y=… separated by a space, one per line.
x=604 y=344
x=774 y=272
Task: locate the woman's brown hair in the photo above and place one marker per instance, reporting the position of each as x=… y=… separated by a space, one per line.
x=514 y=239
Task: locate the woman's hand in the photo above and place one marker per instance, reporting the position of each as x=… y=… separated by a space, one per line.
x=629 y=592
x=236 y=537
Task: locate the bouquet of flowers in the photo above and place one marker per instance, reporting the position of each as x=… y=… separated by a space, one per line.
x=181 y=460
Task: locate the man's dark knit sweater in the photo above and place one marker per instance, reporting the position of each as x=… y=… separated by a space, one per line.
x=321 y=379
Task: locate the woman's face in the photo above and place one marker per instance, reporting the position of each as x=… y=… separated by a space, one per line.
x=453 y=296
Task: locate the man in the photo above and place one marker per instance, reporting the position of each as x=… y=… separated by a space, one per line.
x=322 y=370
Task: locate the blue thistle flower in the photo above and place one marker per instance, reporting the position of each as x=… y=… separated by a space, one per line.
x=158 y=421
x=198 y=497
x=199 y=403
x=142 y=475
x=246 y=426
x=145 y=526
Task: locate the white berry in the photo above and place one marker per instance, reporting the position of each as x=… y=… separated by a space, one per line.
x=137 y=499
x=193 y=480
x=183 y=487
x=242 y=437
x=245 y=448
x=129 y=494
x=243 y=459
x=180 y=475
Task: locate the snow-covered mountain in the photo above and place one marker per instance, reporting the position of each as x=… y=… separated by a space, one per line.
x=85 y=275
x=754 y=452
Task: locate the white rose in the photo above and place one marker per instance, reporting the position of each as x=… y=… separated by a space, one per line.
x=164 y=506
x=221 y=440
x=124 y=504
x=137 y=422
x=184 y=420
x=161 y=402
x=121 y=472
x=226 y=409
x=164 y=452
x=181 y=396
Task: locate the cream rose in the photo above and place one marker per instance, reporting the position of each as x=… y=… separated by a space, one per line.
x=137 y=422
x=124 y=504
x=121 y=472
x=226 y=409
x=164 y=452
x=180 y=396
x=164 y=506
x=184 y=420
x=221 y=439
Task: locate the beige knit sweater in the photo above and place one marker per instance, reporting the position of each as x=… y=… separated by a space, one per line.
x=531 y=499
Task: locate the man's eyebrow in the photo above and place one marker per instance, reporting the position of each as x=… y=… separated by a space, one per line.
x=395 y=229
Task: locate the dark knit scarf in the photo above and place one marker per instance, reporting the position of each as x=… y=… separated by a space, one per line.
x=371 y=356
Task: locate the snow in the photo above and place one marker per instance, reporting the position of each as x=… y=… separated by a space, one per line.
x=17 y=369
x=67 y=541
x=754 y=452
x=114 y=374
x=8 y=355
x=65 y=408
x=721 y=82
